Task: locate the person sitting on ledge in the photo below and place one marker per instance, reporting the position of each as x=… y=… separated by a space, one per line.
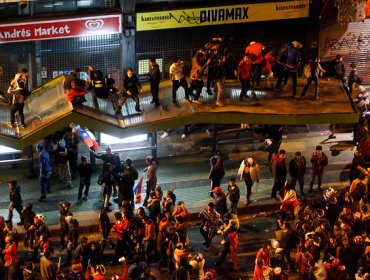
x=76 y=94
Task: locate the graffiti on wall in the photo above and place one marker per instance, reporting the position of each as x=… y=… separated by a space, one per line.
x=353 y=44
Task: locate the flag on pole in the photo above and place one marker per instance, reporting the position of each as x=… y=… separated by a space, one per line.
x=137 y=190
x=88 y=138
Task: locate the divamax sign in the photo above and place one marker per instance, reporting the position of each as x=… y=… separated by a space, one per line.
x=222 y=15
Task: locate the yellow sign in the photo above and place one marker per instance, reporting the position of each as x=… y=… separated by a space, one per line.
x=221 y=15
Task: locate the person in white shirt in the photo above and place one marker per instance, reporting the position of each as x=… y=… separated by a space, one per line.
x=177 y=77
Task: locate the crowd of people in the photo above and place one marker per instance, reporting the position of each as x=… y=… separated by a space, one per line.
x=213 y=61
x=328 y=237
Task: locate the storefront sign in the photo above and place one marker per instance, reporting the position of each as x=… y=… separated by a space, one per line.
x=222 y=15
x=60 y=28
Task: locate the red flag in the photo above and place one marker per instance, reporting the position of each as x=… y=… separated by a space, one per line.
x=137 y=190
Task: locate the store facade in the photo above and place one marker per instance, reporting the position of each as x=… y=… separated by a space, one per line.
x=52 y=47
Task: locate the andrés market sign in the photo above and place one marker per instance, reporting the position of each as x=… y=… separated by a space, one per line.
x=222 y=15
x=60 y=28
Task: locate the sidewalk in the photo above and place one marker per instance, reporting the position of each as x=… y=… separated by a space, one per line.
x=187 y=174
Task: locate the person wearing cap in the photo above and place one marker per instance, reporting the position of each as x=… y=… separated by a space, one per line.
x=250 y=172
x=297 y=169
x=151 y=177
x=208 y=228
x=319 y=161
x=233 y=192
x=255 y=51
x=85 y=171
x=220 y=201
x=293 y=59
x=217 y=171
x=45 y=171
x=279 y=173
x=62 y=161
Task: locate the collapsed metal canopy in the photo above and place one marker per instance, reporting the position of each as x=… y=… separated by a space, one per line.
x=47 y=111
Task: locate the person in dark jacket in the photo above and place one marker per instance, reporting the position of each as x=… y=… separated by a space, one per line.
x=154 y=79
x=28 y=220
x=220 y=201
x=106 y=181
x=286 y=242
x=338 y=68
x=233 y=192
x=73 y=235
x=315 y=68
x=293 y=60
x=352 y=77
x=217 y=171
x=45 y=171
x=131 y=87
x=297 y=169
x=319 y=161
x=85 y=171
x=62 y=161
x=64 y=211
x=127 y=182
x=15 y=199
x=279 y=172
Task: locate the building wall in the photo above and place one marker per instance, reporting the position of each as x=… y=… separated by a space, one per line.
x=352 y=41
x=170 y=43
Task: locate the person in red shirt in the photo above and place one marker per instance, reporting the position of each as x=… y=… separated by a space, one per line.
x=255 y=51
x=245 y=75
x=150 y=239
x=267 y=65
x=180 y=210
x=121 y=227
x=10 y=256
x=76 y=94
x=265 y=254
